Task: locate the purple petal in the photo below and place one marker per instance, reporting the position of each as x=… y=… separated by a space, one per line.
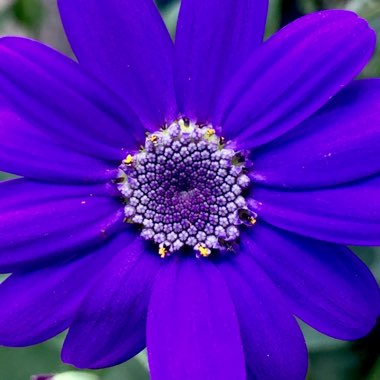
x=40 y=223
x=273 y=343
x=214 y=38
x=126 y=45
x=44 y=159
x=192 y=330
x=41 y=304
x=293 y=74
x=338 y=144
x=109 y=327
x=53 y=93
x=326 y=285
x=348 y=215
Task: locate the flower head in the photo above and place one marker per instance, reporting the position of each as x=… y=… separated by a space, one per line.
x=184 y=187
x=191 y=197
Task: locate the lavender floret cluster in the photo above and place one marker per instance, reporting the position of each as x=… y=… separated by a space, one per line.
x=186 y=187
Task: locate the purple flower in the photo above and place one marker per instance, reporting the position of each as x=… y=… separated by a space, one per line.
x=247 y=166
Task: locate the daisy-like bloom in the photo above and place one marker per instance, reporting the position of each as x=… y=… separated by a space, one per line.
x=192 y=197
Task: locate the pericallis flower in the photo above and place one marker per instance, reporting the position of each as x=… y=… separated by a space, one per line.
x=193 y=197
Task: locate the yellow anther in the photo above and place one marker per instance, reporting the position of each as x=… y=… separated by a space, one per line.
x=210 y=132
x=252 y=220
x=204 y=251
x=162 y=252
x=128 y=160
x=153 y=139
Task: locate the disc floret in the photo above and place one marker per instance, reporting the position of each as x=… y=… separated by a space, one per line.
x=185 y=187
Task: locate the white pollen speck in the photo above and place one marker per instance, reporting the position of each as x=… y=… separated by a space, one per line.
x=255 y=204
x=258 y=177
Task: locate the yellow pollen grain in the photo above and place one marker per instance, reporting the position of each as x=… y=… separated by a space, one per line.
x=153 y=139
x=203 y=251
x=210 y=132
x=162 y=252
x=252 y=220
x=128 y=160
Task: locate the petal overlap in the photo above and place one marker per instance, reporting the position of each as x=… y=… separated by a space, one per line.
x=125 y=44
x=109 y=327
x=214 y=38
x=326 y=285
x=73 y=234
x=338 y=144
x=347 y=214
x=292 y=75
x=273 y=343
x=44 y=159
x=192 y=331
x=67 y=104
x=42 y=303
x=42 y=223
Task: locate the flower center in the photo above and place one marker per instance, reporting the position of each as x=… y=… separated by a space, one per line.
x=185 y=188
